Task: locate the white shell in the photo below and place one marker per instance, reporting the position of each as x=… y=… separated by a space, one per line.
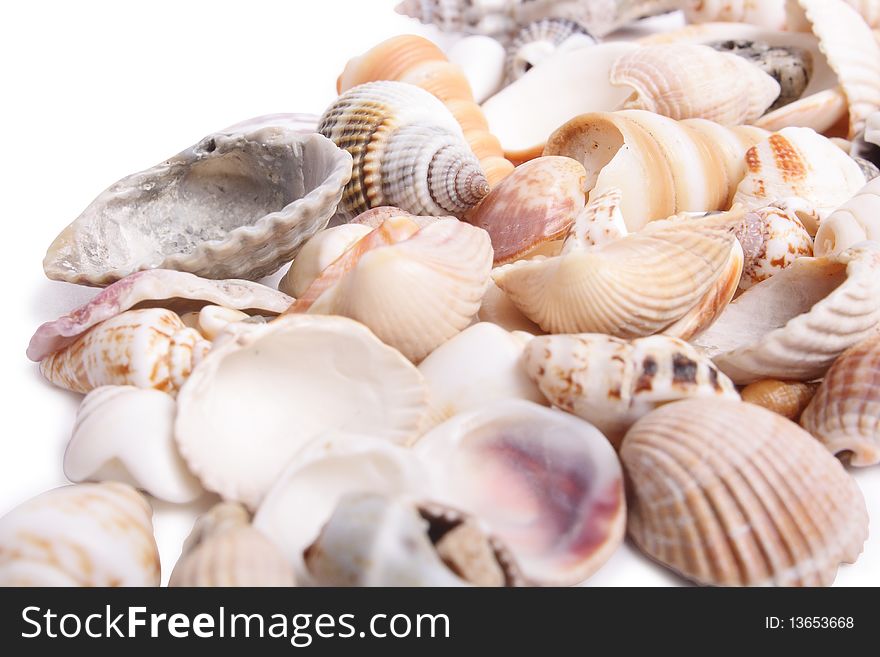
x=123 y=433
x=855 y=221
x=214 y=319
x=599 y=223
x=481 y=58
x=298 y=377
x=81 y=535
x=319 y=253
x=541 y=39
x=772 y=239
x=764 y=13
x=497 y=308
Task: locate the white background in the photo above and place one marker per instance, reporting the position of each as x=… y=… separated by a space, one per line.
x=92 y=91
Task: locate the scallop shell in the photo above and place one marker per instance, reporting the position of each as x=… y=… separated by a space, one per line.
x=688 y=81
x=599 y=223
x=413 y=287
x=772 y=239
x=149 y=348
x=126 y=434
x=408 y=151
x=534 y=205
x=611 y=383
x=844 y=415
x=82 y=535
x=727 y=493
x=786 y=398
x=855 y=221
x=661 y=166
x=795 y=324
x=546 y=483
x=299 y=376
x=225 y=550
x=481 y=59
x=540 y=39
x=236 y=205
x=152 y=286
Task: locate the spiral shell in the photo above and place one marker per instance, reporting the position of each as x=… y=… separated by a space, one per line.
x=540 y=39
x=766 y=13
x=787 y=398
x=772 y=239
x=855 y=221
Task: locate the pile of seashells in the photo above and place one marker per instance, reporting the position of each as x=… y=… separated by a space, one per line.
x=548 y=290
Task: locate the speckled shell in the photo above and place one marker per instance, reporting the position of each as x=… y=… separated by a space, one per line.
x=855 y=221
x=772 y=238
x=787 y=398
x=728 y=493
x=690 y=81
x=82 y=535
x=236 y=205
x=225 y=550
x=540 y=39
x=407 y=150
x=612 y=383
x=149 y=348
x=599 y=223
x=845 y=412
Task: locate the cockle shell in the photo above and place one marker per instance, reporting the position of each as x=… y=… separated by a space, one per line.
x=180 y=289
x=534 y=205
x=82 y=535
x=599 y=223
x=855 y=221
x=772 y=238
x=149 y=348
x=540 y=39
x=728 y=493
x=316 y=478
x=319 y=253
x=481 y=59
x=407 y=150
x=546 y=483
x=844 y=415
x=236 y=205
x=689 y=81
x=298 y=376
x=611 y=383
x=787 y=398
x=796 y=323
x=126 y=434
x=413 y=287
x=225 y=550
x=661 y=166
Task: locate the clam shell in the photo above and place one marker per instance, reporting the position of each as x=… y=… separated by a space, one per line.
x=236 y=205
x=844 y=415
x=481 y=59
x=787 y=398
x=795 y=324
x=82 y=535
x=727 y=493
x=126 y=434
x=611 y=383
x=181 y=289
x=539 y=40
x=547 y=484
x=149 y=348
x=772 y=239
x=319 y=253
x=299 y=376
x=855 y=221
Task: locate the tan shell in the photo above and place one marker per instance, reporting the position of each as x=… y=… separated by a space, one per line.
x=855 y=221
x=786 y=398
x=845 y=413
x=728 y=493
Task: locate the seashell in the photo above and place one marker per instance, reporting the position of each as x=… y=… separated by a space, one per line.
x=413 y=287
x=235 y=205
x=855 y=221
x=82 y=535
x=534 y=205
x=565 y=85
x=772 y=238
x=786 y=398
x=844 y=415
x=126 y=434
x=868 y=9
x=661 y=166
x=178 y=289
x=299 y=377
x=728 y=493
x=638 y=285
x=377 y=540
x=408 y=151
x=611 y=383
x=419 y=62
x=796 y=323
x=545 y=483
x=540 y=39
x=489 y=17
x=482 y=364
x=689 y=81
x=149 y=348
x=797 y=162
x=317 y=478
x=214 y=319
x=481 y=59
x=770 y=14
x=296 y=121
x=599 y=223
x=225 y=550
x=497 y=308
x=319 y=253
x=867 y=167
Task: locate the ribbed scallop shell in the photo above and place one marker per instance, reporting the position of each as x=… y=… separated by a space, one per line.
x=81 y=535
x=539 y=39
x=150 y=348
x=845 y=412
x=727 y=493
x=319 y=253
x=787 y=398
x=772 y=238
x=689 y=81
x=407 y=150
x=855 y=221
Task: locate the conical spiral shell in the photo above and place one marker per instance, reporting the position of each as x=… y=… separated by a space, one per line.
x=731 y=494
x=844 y=415
x=407 y=151
x=150 y=348
x=855 y=221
